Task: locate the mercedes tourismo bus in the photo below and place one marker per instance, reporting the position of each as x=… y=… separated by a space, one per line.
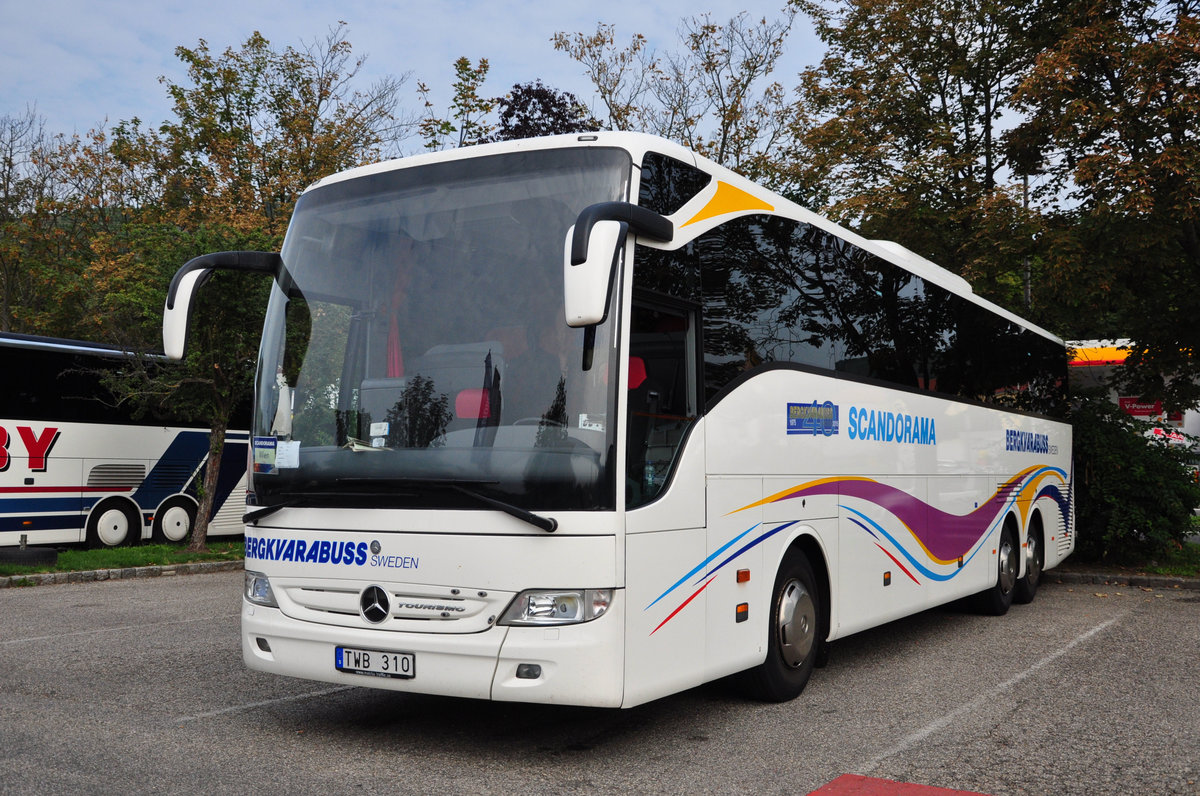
x=74 y=467
x=591 y=420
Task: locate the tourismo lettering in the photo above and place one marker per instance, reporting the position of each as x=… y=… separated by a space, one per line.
x=1026 y=441
x=878 y=426
x=299 y=551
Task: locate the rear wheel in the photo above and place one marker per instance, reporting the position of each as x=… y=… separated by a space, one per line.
x=1035 y=559
x=999 y=598
x=795 y=638
x=174 y=519
x=113 y=523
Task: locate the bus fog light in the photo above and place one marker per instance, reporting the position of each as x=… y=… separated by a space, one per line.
x=528 y=671
x=258 y=590
x=559 y=607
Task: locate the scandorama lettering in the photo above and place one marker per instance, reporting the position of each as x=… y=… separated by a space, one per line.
x=880 y=426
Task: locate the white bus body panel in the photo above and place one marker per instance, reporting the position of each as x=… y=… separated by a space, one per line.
x=907 y=507
x=477 y=563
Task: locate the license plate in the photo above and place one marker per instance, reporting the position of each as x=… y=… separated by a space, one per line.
x=375 y=662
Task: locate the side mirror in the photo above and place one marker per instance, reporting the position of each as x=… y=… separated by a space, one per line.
x=194 y=273
x=591 y=252
x=177 y=315
x=586 y=284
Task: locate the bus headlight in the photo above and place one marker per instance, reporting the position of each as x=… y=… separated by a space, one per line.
x=558 y=607
x=258 y=590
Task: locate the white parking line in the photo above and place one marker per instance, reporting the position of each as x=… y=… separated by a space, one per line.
x=263 y=703
x=913 y=739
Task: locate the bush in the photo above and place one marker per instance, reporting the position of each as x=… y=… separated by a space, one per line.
x=1135 y=494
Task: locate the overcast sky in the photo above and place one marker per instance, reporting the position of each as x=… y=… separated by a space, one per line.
x=82 y=63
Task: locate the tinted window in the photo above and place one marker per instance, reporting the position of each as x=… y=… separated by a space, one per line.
x=667 y=184
x=775 y=290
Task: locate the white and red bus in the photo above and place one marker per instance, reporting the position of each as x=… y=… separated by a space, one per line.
x=590 y=420
x=75 y=468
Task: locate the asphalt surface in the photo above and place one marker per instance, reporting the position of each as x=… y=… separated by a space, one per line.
x=136 y=685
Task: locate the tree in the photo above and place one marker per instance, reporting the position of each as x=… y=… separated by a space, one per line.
x=468 y=110
x=1113 y=119
x=46 y=225
x=534 y=109
x=711 y=95
x=900 y=131
x=621 y=76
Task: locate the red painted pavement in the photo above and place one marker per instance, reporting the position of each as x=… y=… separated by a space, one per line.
x=856 y=785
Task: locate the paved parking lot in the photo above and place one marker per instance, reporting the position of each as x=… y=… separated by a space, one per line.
x=138 y=686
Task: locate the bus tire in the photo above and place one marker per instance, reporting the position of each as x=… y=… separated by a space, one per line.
x=29 y=556
x=997 y=599
x=174 y=520
x=1035 y=559
x=794 y=638
x=114 y=522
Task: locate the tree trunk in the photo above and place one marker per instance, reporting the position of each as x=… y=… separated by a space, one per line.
x=208 y=490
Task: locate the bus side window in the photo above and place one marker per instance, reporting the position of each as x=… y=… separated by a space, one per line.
x=662 y=395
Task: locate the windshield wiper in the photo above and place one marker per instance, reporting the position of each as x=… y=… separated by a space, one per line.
x=547 y=524
x=307 y=498
x=256 y=515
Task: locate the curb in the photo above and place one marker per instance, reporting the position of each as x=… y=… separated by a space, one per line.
x=1116 y=579
x=127 y=573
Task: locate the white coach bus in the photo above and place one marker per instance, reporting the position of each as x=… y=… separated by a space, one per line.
x=75 y=467
x=591 y=420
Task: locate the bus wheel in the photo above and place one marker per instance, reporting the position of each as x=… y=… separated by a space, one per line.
x=1034 y=561
x=112 y=523
x=794 y=639
x=999 y=598
x=174 y=519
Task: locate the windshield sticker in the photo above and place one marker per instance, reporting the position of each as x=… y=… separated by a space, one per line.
x=287 y=454
x=264 y=454
x=591 y=422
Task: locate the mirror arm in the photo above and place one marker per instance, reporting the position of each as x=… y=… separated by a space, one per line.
x=640 y=220
x=261 y=262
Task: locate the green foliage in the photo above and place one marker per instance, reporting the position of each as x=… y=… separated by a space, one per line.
x=715 y=94
x=1112 y=120
x=1135 y=495
x=468 y=110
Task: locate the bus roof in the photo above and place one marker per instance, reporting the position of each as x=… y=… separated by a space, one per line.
x=637 y=144
x=61 y=345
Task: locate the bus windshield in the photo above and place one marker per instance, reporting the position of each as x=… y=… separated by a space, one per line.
x=415 y=351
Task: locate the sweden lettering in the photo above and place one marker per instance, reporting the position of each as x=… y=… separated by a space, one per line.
x=880 y=426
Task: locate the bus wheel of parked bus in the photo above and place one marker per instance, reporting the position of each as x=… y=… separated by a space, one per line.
x=999 y=598
x=174 y=519
x=1034 y=559
x=794 y=639
x=114 y=522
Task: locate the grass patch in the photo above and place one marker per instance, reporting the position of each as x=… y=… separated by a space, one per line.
x=1184 y=563
x=78 y=560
